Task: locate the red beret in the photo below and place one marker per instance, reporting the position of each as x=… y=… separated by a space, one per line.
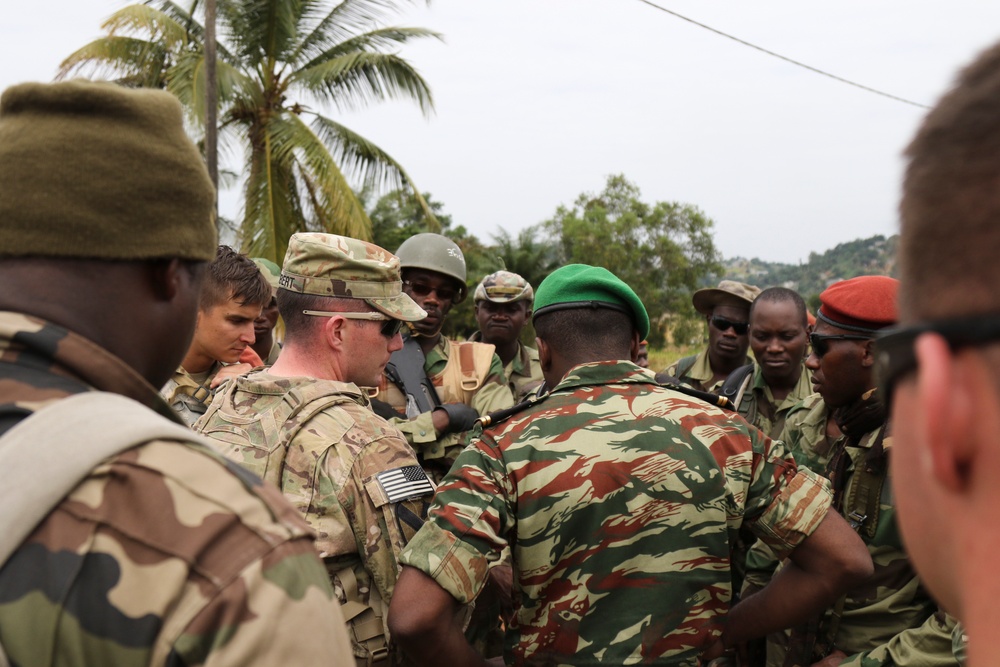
x=865 y=303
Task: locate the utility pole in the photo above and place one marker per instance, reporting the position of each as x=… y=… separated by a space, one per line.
x=211 y=103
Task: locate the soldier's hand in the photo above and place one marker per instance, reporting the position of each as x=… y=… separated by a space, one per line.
x=831 y=660
x=460 y=417
x=229 y=372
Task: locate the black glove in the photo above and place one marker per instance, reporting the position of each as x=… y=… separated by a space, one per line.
x=385 y=411
x=460 y=417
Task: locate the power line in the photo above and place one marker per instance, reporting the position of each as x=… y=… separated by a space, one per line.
x=786 y=59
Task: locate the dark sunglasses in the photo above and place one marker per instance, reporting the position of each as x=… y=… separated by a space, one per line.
x=444 y=293
x=722 y=324
x=895 y=357
x=390 y=326
x=821 y=342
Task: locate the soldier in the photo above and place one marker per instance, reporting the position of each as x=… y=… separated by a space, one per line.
x=264 y=344
x=158 y=551
x=232 y=296
x=889 y=619
x=306 y=425
x=619 y=517
x=727 y=310
x=940 y=369
x=503 y=306
x=779 y=338
x=434 y=388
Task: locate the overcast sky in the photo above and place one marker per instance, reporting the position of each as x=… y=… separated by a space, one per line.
x=538 y=101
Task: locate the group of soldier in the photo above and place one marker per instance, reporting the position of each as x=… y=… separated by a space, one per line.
x=184 y=490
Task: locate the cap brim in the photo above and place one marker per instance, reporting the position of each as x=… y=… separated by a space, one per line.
x=400 y=307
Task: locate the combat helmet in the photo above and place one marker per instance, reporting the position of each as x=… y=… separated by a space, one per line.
x=434 y=252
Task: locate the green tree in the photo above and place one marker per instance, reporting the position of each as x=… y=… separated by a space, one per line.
x=526 y=255
x=662 y=250
x=274 y=56
x=396 y=216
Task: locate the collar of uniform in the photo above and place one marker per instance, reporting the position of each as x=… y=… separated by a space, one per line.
x=74 y=356
x=604 y=372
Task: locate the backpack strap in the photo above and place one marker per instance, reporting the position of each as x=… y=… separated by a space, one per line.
x=736 y=385
x=684 y=365
x=68 y=439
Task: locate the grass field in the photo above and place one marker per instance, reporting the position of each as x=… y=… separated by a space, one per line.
x=660 y=359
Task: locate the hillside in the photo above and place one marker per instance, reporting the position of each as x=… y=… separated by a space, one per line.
x=875 y=255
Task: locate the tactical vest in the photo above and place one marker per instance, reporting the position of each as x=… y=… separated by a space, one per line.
x=237 y=437
x=467 y=369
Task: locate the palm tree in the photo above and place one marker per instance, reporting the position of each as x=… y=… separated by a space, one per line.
x=273 y=57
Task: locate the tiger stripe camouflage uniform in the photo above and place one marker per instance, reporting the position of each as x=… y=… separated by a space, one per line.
x=221 y=560
x=604 y=495
x=891 y=620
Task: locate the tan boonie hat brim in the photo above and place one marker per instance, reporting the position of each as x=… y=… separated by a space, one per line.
x=346 y=268
x=728 y=293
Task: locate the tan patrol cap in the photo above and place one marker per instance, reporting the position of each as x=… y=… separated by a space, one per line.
x=338 y=266
x=728 y=293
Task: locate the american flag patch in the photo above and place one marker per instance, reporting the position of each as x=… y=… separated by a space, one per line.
x=403 y=483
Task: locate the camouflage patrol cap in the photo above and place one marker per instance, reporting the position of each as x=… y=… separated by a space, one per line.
x=728 y=293
x=270 y=271
x=99 y=171
x=338 y=266
x=584 y=286
x=504 y=287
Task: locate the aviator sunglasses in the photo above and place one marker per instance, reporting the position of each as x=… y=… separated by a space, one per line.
x=895 y=357
x=390 y=326
x=722 y=324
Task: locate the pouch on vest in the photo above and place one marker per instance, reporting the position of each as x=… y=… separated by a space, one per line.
x=467 y=369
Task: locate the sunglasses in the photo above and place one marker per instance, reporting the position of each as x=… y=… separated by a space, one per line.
x=444 y=293
x=821 y=342
x=722 y=324
x=390 y=325
x=896 y=358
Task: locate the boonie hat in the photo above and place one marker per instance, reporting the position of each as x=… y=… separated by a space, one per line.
x=864 y=304
x=728 y=293
x=584 y=286
x=338 y=266
x=504 y=287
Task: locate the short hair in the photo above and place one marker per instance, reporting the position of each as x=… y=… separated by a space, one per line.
x=233 y=276
x=950 y=209
x=586 y=334
x=780 y=295
x=299 y=327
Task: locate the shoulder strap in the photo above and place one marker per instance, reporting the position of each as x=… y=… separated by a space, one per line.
x=736 y=384
x=407 y=364
x=67 y=440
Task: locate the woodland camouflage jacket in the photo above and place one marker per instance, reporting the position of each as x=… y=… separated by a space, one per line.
x=620 y=500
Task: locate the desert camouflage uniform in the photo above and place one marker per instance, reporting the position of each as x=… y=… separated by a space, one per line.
x=329 y=470
x=493 y=395
x=699 y=375
x=620 y=500
x=760 y=409
x=890 y=619
x=165 y=554
x=524 y=372
x=186 y=396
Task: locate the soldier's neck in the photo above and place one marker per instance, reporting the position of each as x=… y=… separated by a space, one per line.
x=428 y=343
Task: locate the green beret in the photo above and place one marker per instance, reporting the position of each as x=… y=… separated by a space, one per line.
x=583 y=286
x=96 y=170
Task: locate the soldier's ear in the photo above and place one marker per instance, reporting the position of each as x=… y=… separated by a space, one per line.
x=544 y=354
x=633 y=347
x=334 y=332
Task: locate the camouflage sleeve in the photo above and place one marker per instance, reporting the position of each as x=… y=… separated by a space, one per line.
x=420 y=434
x=495 y=393
x=784 y=504
x=928 y=645
x=464 y=533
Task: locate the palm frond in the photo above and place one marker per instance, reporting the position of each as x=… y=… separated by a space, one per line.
x=347 y=19
x=354 y=81
x=143 y=19
x=379 y=40
x=131 y=60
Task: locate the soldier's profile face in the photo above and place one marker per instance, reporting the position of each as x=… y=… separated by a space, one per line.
x=838 y=374
x=225 y=330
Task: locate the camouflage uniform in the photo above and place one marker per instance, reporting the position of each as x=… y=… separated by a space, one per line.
x=492 y=395
x=609 y=488
x=759 y=408
x=164 y=554
x=524 y=372
x=697 y=373
x=321 y=444
x=890 y=619
x=189 y=398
